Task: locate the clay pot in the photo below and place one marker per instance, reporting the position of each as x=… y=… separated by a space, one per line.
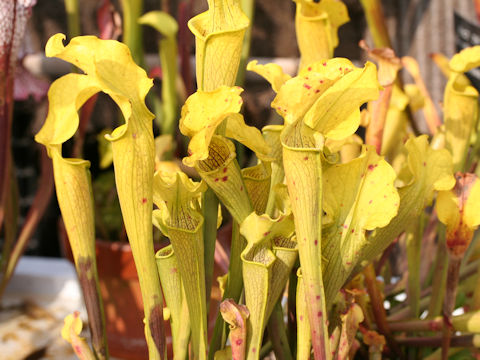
x=122 y=299
x=121 y=296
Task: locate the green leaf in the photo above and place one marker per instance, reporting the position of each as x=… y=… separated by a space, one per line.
x=366 y=200
x=161 y=21
x=429 y=171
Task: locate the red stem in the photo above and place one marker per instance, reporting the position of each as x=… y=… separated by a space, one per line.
x=385 y=256
x=379 y=115
x=436 y=341
x=7 y=71
x=449 y=302
x=35 y=213
x=85 y=115
x=184 y=44
x=378 y=309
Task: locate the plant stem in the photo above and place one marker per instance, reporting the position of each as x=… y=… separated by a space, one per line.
x=184 y=45
x=35 y=213
x=436 y=341
x=376 y=23
x=132 y=30
x=304 y=339
x=233 y=288
x=278 y=335
x=399 y=311
x=73 y=18
x=404 y=312
x=378 y=309
x=292 y=309
x=265 y=350
x=168 y=59
x=248 y=7
x=466 y=323
x=384 y=258
x=439 y=275
x=7 y=70
x=11 y=218
x=210 y=215
x=476 y=292
x=449 y=302
x=414 y=241
x=85 y=114
x=379 y=108
x=435 y=324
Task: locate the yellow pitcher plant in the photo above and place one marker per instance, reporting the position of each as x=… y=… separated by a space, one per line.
x=321 y=102
x=218 y=30
x=314 y=214
x=180 y=219
x=108 y=67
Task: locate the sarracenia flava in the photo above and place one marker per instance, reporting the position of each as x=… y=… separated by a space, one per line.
x=314 y=207
x=107 y=67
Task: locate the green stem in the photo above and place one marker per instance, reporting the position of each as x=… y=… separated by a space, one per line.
x=291 y=308
x=304 y=339
x=265 y=350
x=437 y=355
x=376 y=23
x=277 y=334
x=476 y=292
x=168 y=58
x=439 y=275
x=219 y=337
x=248 y=7
x=233 y=288
x=466 y=323
x=73 y=18
x=466 y=272
x=210 y=215
x=414 y=241
x=132 y=30
x=472 y=160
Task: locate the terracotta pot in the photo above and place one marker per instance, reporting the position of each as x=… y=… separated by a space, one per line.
x=122 y=298
x=122 y=301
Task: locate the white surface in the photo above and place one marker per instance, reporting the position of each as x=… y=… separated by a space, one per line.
x=47 y=278
x=40 y=294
